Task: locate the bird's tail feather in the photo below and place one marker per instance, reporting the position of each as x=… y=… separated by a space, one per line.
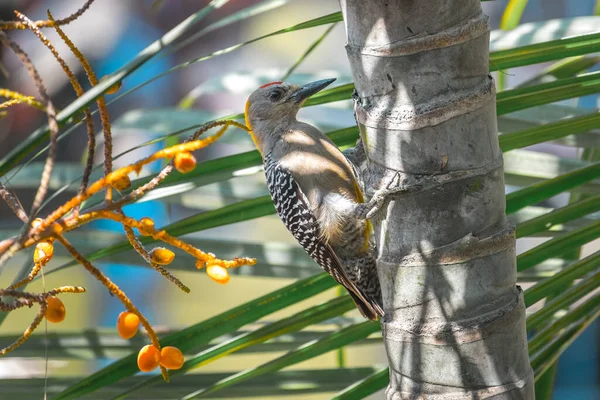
x=369 y=310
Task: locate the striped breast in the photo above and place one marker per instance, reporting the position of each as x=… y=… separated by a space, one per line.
x=293 y=208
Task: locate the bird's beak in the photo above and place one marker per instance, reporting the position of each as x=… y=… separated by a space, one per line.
x=309 y=89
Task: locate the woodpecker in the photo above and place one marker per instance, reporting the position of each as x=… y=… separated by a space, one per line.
x=315 y=190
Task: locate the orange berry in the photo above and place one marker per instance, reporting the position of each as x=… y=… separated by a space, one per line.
x=127 y=324
x=148 y=358
x=122 y=183
x=171 y=357
x=55 y=311
x=114 y=88
x=43 y=252
x=218 y=273
x=162 y=256
x=184 y=162
x=200 y=264
x=147 y=226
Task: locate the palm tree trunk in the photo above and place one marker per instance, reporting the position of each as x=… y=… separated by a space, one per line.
x=454 y=322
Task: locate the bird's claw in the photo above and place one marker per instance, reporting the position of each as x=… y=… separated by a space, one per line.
x=398 y=184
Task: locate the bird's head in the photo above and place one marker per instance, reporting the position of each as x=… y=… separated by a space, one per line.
x=273 y=106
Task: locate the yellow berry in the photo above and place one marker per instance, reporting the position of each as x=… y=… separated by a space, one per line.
x=171 y=357
x=55 y=311
x=148 y=358
x=127 y=324
x=162 y=256
x=147 y=226
x=184 y=162
x=217 y=273
x=122 y=183
x=114 y=88
x=43 y=252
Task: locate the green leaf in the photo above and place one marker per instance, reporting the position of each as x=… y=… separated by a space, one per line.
x=207 y=330
x=296 y=322
x=326 y=19
x=549 y=113
x=310 y=49
x=250 y=79
x=546 y=51
x=589 y=307
x=507 y=101
x=310 y=350
x=535 y=193
x=512 y=14
x=545 y=359
x=244 y=13
x=545 y=133
x=566 y=68
x=566 y=276
x=521 y=98
x=528 y=167
x=280 y=385
x=564 y=300
x=90 y=344
x=558 y=216
x=544 y=385
x=341 y=92
x=558 y=246
x=365 y=387
x=161 y=121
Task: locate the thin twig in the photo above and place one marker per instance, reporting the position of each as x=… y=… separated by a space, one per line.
x=8 y=25
x=104 y=118
x=13 y=202
x=170 y=277
x=15 y=304
x=141 y=250
x=34 y=324
x=37 y=267
x=27 y=299
x=78 y=90
x=52 y=123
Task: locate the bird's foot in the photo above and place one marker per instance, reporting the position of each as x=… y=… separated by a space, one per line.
x=396 y=184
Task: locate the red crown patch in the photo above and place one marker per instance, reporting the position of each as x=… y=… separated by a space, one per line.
x=269 y=84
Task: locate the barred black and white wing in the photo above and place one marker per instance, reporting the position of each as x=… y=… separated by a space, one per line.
x=294 y=210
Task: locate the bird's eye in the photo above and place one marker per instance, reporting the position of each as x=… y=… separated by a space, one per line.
x=275 y=95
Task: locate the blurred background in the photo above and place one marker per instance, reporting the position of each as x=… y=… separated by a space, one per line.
x=110 y=34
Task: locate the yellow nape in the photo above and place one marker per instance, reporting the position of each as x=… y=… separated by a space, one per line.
x=358 y=192
x=369 y=229
x=369 y=226
x=250 y=126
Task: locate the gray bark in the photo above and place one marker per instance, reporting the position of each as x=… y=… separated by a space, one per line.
x=454 y=325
